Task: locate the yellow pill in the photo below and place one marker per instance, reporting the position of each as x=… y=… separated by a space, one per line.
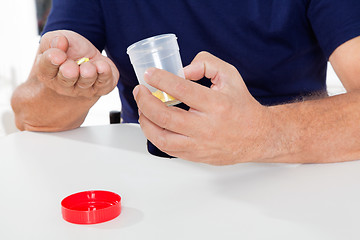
x=164 y=97
x=82 y=60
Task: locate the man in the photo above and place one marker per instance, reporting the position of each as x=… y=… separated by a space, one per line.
x=274 y=54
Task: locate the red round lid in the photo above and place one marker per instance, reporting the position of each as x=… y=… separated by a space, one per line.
x=91 y=207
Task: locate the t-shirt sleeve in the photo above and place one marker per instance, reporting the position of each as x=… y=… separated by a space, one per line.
x=83 y=17
x=334 y=22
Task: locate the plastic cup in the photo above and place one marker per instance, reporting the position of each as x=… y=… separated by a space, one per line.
x=161 y=52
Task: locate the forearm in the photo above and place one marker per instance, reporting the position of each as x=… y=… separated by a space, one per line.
x=324 y=130
x=38 y=108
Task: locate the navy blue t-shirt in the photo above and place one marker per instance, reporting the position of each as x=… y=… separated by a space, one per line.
x=280 y=47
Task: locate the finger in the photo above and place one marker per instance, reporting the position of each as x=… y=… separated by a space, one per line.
x=88 y=76
x=205 y=65
x=48 y=63
x=171 y=118
x=192 y=94
x=53 y=40
x=221 y=73
x=106 y=80
x=68 y=74
x=164 y=139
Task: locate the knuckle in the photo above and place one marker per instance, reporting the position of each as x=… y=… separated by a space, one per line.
x=161 y=142
x=86 y=93
x=64 y=91
x=85 y=82
x=65 y=82
x=222 y=108
x=104 y=77
x=164 y=119
x=203 y=54
x=181 y=88
x=102 y=89
x=210 y=134
x=189 y=145
x=42 y=76
x=232 y=68
x=98 y=84
x=84 y=86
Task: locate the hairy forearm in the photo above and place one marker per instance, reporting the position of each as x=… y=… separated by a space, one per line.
x=38 y=108
x=324 y=130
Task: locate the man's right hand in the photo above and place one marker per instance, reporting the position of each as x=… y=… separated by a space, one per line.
x=56 y=66
x=59 y=93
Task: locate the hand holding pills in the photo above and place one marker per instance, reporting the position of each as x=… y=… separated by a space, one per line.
x=70 y=65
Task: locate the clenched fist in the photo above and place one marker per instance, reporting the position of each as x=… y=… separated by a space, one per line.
x=56 y=66
x=59 y=92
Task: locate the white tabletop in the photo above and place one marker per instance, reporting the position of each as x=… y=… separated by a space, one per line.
x=168 y=198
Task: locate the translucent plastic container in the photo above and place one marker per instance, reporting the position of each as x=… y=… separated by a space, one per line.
x=162 y=52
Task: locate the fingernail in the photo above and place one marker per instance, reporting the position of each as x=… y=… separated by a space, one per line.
x=136 y=91
x=54 y=42
x=54 y=63
x=148 y=73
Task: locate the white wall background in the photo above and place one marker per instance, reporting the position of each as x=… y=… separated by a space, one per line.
x=18 y=45
x=18 y=38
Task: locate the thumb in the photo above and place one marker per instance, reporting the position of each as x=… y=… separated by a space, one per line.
x=221 y=73
x=54 y=40
x=60 y=42
x=51 y=54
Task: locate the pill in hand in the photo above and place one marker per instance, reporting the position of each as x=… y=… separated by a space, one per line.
x=82 y=60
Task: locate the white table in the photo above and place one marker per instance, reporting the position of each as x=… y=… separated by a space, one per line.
x=168 y=198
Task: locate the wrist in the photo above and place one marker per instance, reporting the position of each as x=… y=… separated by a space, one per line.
x=277 y=136
x=40 y=108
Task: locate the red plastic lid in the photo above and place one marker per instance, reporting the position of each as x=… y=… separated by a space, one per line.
x=91 y=207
